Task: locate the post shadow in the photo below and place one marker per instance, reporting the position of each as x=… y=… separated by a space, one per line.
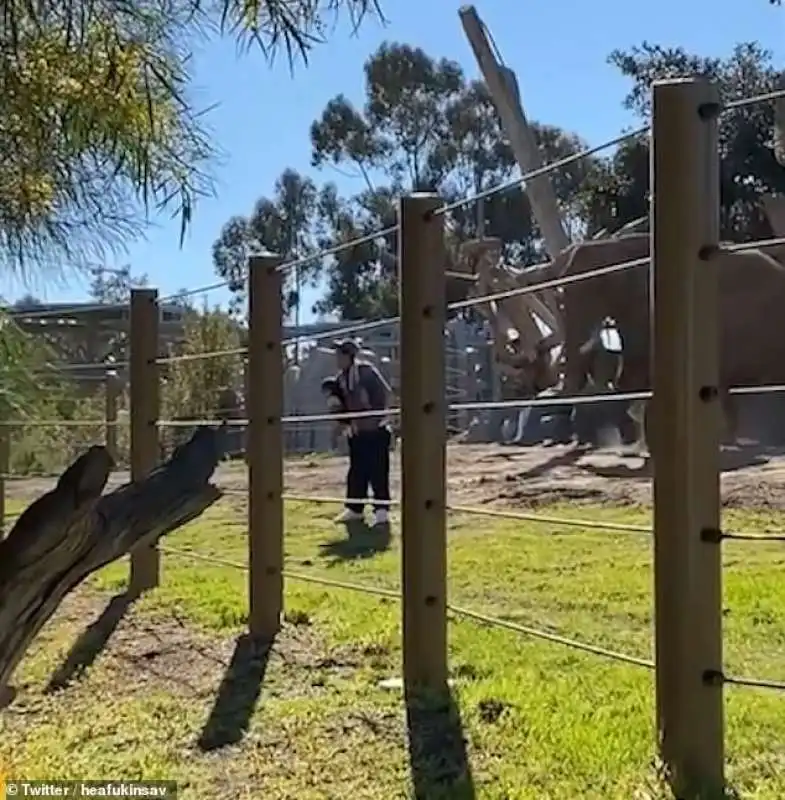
x=238 y=694
x=92 y=641
x=363 y=541
x=437 y=747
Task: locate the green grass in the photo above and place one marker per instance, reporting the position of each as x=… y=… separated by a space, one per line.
x=541 y=721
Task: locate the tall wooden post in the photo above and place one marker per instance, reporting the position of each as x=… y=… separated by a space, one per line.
x=424 y=443
x=686 y=429
x=144 y=391
x=111 y=393
x=265 y=446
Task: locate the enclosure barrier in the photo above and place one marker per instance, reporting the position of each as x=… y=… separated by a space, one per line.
x=686 y=433
x=684 y=428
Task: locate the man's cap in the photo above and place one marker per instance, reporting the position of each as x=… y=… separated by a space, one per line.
x=348 y=347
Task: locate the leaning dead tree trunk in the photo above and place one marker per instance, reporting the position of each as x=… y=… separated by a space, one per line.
x=74 y=530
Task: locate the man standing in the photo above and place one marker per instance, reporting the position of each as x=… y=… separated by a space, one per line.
x=362 y=388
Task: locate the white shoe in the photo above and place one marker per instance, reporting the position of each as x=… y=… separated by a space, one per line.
x=349 y=516
x=381 y=517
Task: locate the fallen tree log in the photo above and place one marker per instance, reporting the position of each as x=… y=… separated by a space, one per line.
x=74 y=530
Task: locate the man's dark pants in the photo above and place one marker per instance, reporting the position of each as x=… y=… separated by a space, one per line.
x=369 y=466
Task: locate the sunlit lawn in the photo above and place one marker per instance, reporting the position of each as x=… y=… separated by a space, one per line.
x=541 y=721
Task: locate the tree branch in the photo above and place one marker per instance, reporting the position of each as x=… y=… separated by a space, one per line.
x=72 y=531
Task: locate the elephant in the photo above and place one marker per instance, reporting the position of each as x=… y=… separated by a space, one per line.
x=752 y=316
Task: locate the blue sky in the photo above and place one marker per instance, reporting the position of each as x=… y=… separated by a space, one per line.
x=558 y=49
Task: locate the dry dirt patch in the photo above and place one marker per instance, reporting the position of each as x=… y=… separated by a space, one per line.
x=520 y=477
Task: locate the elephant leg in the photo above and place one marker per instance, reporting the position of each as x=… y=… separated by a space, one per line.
x=730 y=415
x=636 y=422
x=647 y=428
x=730 y=411
x=630 y=430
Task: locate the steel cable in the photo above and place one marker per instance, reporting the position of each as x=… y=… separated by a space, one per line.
x=364 y=326
x=63 y=423
x=457 y=611
x=538 y=172
x=548 y=168
x=754 y=683
x=616 y=527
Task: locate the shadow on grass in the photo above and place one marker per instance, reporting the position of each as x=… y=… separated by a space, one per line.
x=437 y=748
x=91 y=643
x=362 y=541
x=238 y=694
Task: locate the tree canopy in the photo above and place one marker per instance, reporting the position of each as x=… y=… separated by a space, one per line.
x=421 y=124
x=618 y=190
x=97 y=126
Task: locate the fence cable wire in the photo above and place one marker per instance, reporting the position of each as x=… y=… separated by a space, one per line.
x=528 y=176
x=290 y=265
x=457 y=611
x=67 y=311
x=616 y=527
x=369 y=325
x=338 y=248
x=297 y=576
x=64 y=423
x=182 y=357
x=754 y=536
x=481 y=511
x=754 y=683
x=513 y=183
x=765 y=97
x=555 y=165
x=479 y=405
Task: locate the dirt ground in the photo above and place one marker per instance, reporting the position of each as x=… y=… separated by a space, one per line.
x=522 y=477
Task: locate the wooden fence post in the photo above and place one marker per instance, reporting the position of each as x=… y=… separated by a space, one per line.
x=265 y=446
x=144 y=402
x=424 y=443
x=111 y=393
x=686 y=432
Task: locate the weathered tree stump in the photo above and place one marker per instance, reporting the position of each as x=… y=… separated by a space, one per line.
x=74 y=530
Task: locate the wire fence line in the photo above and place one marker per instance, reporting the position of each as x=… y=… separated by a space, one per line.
x=347 y=416
x=64 y=423
x=487 y=620
x=539 y=172
x=471 y=302
x=501 y=187
x=184 y=357
x=457 y=611
x=752 y=683
x=764 y=97
x=479 y=405
x=483 y=511
x=564 y=162
x=469 y=510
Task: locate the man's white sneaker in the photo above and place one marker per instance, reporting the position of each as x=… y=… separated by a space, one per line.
x=381 y=517
x=349 y=516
